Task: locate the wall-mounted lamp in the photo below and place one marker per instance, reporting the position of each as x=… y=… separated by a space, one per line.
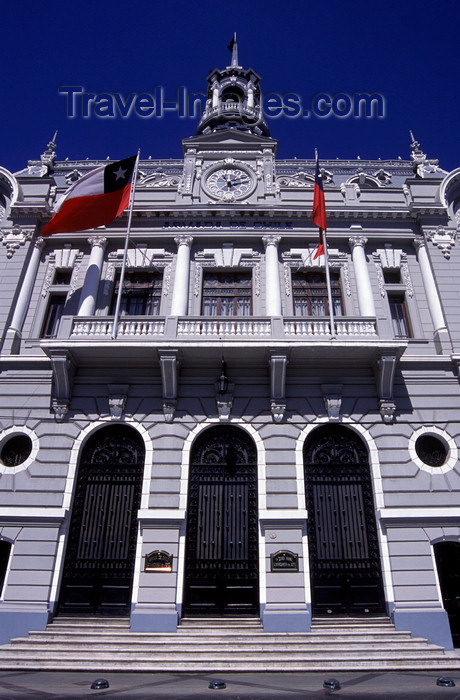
x=223 y=379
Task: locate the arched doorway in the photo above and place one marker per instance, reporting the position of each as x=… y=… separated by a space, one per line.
x=99 y=562
x=346 y=577
x=221 y=561
x=447 y=556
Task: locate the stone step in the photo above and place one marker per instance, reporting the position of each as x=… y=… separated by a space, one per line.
x=92 y=622
x=221 y=621
x=214 y=645
x=238 y=655
x=90 y=636
x=229 y=647
x=247 y=666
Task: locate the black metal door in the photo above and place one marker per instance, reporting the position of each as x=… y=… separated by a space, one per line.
x=99 y=562
x=221 y=568
x=448 y=564
x=346 y=576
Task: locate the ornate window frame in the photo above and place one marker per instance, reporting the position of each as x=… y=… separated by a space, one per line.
x=220 y=258
x=297 y=259
x=13 y=432
x=142 y=259
x=451 y=447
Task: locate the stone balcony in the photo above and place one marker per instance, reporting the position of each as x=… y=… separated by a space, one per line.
x=161 y=344
x=202 y=339
x=275 y=328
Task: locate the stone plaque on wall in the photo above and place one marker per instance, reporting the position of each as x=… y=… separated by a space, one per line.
x=158 y=561
x=284 y=561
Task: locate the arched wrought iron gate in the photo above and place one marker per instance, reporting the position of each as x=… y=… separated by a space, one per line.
x=99 y=562
x=221 y=565
x=345 y=565
x=448 y=564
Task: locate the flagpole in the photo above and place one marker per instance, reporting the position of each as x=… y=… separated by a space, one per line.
x=319 y=217
x=116 y=317
x=328 y=284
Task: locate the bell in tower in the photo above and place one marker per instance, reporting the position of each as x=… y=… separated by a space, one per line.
x=233 y=100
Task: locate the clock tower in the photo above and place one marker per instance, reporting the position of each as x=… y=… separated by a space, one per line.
x=231 y=158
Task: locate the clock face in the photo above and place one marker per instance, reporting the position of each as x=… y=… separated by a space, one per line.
x=229 y=183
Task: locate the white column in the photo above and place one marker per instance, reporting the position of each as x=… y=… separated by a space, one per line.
x=22 y=303
x=363 y=283
x=93 y=276
x=429 y=283
x=272 y=276
x=179 y=304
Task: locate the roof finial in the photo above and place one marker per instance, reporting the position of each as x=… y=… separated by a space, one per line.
x=415 y=144
x=233 y=47
x=48 y=158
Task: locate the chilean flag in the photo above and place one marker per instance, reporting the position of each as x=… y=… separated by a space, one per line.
x=95 y=200
x=319 y=210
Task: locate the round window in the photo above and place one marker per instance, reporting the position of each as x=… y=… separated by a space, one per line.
x=431 y=450
x=16 y=450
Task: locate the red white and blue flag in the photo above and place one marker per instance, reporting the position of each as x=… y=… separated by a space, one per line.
x=95 y=200
x=319 y=210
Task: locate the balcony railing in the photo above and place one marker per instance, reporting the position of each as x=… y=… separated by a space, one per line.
x=172 y=328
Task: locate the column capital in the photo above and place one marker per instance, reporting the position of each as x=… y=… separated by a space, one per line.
x=96 y=241
x=419 y=242
x=183 y=240
x=271 y=240
x=357 y=242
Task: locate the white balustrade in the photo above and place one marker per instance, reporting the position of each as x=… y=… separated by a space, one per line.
x=218 y=328
x=148 y=327
x=132 y=327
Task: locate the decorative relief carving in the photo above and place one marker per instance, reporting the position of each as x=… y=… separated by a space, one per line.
x=73 y=177
x=13 y=238
x=166 y=279
x=345 y=274
x=379 y=271
x=287 y=278
x=278 y=409
x=49 y=276
x=382 y=176
x=160 y=179
x=300 y=179
x=443 y=238
x=118 y=394
x=387 y=410
x=332 y=395
x=405 y=276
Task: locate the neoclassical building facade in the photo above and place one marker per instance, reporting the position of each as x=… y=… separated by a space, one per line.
x=225 y=449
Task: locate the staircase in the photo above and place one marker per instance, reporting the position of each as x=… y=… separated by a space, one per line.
x=101 y=645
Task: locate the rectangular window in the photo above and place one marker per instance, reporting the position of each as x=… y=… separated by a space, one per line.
x=227 y=294
x=141 y=295
x=399 y=316
x=54 y=314
x=310 y=294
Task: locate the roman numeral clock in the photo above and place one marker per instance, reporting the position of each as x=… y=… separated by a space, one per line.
x=229 y=181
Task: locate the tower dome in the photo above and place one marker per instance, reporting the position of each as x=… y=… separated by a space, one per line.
x=233 y=99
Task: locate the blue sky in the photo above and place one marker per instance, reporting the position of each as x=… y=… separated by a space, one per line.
x=404 y=51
